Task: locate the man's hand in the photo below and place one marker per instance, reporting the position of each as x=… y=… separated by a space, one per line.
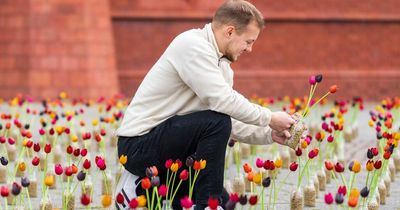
x=280 y=137
x=281 y=121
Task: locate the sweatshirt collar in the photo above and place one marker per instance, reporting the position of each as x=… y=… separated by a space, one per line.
x=211 y=39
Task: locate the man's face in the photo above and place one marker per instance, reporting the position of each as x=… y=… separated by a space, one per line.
x=243 y=42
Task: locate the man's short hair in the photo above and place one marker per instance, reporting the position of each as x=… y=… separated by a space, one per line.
x=238 y=13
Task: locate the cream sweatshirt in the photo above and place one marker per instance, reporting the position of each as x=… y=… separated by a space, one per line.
x=191 y=75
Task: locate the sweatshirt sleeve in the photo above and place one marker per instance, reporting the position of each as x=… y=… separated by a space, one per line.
x=197 y=65
x=251 y=134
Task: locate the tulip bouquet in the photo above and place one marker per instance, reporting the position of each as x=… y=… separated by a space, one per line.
x=298 y=129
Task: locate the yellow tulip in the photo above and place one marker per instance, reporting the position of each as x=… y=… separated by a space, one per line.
x=17 y=115
x=95 y=122
x=123 y=159
x=202 y=164
x=141 y=201
x=174 y=167
x=257 y=178
x=354 y=193
x=59 y=130
x=74 y=138
x=25 y=142
x=370 y=165
x=49 y=180
x=371 y=123
x=106 y=200
x=278 y=163
x=63 y=95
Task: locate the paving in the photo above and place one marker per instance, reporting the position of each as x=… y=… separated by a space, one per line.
x=354 y=150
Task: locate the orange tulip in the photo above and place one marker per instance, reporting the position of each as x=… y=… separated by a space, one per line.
x=22 y=166
x=352 y=202
x=146 y=184
x=333 y=89
x=247 y=168
x=123 y=159
x=250 y=176
x=174 y=167
x=356 y=167
x=196 y=165
x=257 y=178
x=370 y=165
x=106 y=200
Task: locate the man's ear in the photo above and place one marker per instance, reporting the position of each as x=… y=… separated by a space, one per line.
x=229 y=31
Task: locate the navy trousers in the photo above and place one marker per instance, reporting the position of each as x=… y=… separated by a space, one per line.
x=202 y=135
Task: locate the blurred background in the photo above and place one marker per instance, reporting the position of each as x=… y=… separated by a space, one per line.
x=91 y=48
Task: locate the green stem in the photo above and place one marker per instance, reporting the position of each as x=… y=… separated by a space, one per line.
x=176 y=190
x=302 y=173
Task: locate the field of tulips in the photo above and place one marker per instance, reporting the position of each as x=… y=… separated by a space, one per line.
x=61 y=154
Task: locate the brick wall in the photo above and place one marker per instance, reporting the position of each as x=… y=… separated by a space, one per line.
x=53 y=46
x=99 y=47
x=354 y=45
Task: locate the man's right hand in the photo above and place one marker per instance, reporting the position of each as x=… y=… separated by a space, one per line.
x=281 y=121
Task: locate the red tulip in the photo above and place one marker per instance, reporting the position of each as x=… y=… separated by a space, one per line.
x=42 y=132
x=103 y=132
x=259 y=163
x=184 y=175
x=213 y=203
x=47 y=148
x=11 y=141
x=342 y=190
x=328 y=198
x=36 y=147
x=186 y=202
x=299 y=152
x=162 y=190
x=387 y=155
x=120 y=198
x=328 y=165
x=58 y=169
x=378 y=164
x=133 y=204
x=339 y=167
x=2 y=139
x=85 y=199
x=77 y=152
x=313 y=153
x=84 y=152
x=70 y=149
x=168 y=163
x=4 y=191
x=100 y=162
x=35 y=161
x=253 y=200
x=293 y=166
x=330 y=138
x=86 y=164
x=68 y=171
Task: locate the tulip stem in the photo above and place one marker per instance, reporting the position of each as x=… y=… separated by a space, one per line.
x=148 y=199
x=302 y=173
x=176 y=190
x=343 y=180
x=280 y=186
x=29 y=199
x=352 y=178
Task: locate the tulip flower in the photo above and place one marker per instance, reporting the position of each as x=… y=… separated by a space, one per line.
x=49 y=180
x=339 y=198
x=119 y=198
x=342 y=190
x=259 y=163
x=339 y=168
x=85 y=199
x=378 y=164
x=186 y=202
x=370 y=165
x=253 y=200
x=15 y=189
x=162 y=190
x=58 y=169
x=247 y=168
x=4 y=191
x=328 y=198
x=86 y=164
x=146 y=184
x=213 y=203
x=133 y=204
x=189 y=161
x=293 y=166
x=35 y=161
x=106 y=200
x=47 y=148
